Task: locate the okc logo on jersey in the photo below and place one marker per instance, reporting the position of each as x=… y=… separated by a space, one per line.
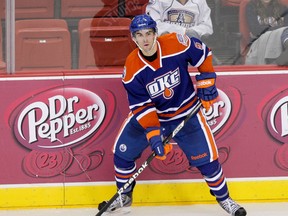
x=164 y=84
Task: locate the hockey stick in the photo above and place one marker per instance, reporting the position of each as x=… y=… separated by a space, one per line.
x=149 y=159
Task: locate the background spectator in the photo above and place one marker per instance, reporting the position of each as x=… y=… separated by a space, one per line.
x=191 y=17
x=181 y=16
x=268 y=22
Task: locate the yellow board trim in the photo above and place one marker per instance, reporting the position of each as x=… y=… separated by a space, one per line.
x=162 y=193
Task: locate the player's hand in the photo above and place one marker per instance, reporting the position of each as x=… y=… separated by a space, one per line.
x=155 y=139
x=206 y=89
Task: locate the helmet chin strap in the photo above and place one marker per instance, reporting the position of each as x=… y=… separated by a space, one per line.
x=149 y=51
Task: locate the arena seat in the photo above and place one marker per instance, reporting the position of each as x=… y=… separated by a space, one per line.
x=88 y=8
x=284 y=2
x=31 y=9
x=42 y=44
x=133 y=8
x=104 y=42
x=235 y=3
x=2 y=9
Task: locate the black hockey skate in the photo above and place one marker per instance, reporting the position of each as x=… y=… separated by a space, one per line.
x=122 y=203
x=232 y=208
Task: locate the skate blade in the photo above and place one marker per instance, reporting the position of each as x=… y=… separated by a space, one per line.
x=119 y=211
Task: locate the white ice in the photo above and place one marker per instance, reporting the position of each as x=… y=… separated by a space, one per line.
x=253 y=209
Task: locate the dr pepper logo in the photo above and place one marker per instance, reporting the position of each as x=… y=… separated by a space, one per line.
x=58 y=118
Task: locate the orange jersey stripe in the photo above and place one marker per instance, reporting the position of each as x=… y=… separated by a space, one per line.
x=211 y=141
x=134 y=65
x=174 y=40
x=149 y=120
x=186 y=107
x=123 y=176
x=152 y=133
x=216 y=183
x=207 y=65
x=141 y=108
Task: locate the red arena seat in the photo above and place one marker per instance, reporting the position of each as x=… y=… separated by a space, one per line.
x=284 y=2
x=31 y=9
x=104 y=42
x=42 y=44
x=235 y=3
x=88 y=8
x=133 y=8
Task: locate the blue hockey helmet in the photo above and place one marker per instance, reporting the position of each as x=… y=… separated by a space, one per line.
x=140 y=22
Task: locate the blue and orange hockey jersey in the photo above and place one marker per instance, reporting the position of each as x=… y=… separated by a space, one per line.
x=162 y=90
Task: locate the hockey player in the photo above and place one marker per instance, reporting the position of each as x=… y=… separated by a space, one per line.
x=160 y=94
x=181 y=16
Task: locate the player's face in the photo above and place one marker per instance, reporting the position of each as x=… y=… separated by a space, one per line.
x=145 y=40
